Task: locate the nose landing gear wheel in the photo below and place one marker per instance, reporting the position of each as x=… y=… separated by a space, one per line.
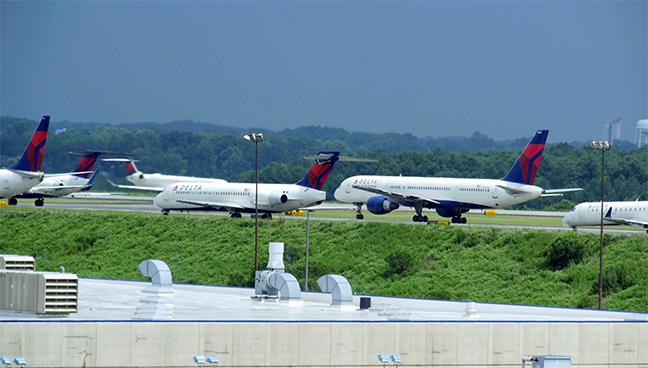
x=165 y=212
x=12 y=201
x=359 y=216
x=39 y=202
x=236 y=215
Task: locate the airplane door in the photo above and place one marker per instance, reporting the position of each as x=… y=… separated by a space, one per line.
x=5 y=184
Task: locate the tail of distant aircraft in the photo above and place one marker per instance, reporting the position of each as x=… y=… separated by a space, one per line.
x=525 y=168
x=130 y=167
x=87 y=163
x=32 y=158
x=320 y=171
x=90 y=182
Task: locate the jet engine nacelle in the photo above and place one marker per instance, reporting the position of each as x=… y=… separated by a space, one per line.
x=273 y=198
x=381 y=205
x=450 y=212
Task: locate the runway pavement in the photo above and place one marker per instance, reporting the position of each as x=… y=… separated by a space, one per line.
x=139 y=205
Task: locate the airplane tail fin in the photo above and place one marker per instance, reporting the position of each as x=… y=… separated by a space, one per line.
x=525 y=168
x=88 y=162
x=318 y=174
x=90 y=182
x=130 y=166
x=32 y=157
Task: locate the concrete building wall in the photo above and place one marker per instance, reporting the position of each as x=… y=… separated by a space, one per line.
x=153 y=344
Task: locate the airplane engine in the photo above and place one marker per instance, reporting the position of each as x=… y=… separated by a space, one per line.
x=273 y=198
x=381 y=205
x=450 y=212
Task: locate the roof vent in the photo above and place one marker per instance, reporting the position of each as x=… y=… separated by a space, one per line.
x=39 y=292
x=157 y=302
x=338 y=287
x=17 y=263
x=274 y=282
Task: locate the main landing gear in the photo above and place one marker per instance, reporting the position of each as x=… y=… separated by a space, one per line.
x=359 y=215
x=265 y=215
x=39 y=202
x=165 y=212
x=12 y=201
x=236 y=215
x=459 y=220
x=419 y=215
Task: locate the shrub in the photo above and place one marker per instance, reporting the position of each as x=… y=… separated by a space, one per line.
x=399 y=263
x=563 y=251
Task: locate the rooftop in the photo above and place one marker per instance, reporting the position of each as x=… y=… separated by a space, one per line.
x=110 y=300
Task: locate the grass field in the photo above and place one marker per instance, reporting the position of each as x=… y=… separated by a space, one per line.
x=450 y=263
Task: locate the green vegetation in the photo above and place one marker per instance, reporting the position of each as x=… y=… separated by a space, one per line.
x=489 y=265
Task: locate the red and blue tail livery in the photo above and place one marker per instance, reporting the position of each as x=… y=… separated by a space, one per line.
x=32 y=158
x=525 y=168
x=320 y=171
x=88 y=162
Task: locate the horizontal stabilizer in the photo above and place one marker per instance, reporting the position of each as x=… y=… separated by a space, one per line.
x=136 y=187
x=553 y=192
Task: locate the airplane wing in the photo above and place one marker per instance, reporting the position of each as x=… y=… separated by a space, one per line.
x=627 y=222
x=558 y=192
x=398 y=197
x=136 y=187
x=213 y=204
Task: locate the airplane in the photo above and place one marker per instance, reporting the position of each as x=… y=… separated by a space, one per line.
x=153 y=182
x=616 y=213
x=239 y=198
x=450 y=197
x=27 y=172
x=58 y=185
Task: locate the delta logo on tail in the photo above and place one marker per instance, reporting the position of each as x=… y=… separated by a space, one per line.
x=320 y=171
x=88 y=162
x=130 y=167
x=525 y=168
x=32 y=158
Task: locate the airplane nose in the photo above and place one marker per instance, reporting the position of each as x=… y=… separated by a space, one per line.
x=567 y=220
x=338 y=193
x=158 y=199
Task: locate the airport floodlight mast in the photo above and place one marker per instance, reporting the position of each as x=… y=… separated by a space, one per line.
x=256 y=138
x=601 y=146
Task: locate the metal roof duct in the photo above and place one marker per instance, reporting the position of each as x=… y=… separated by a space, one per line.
x=338 y=287
x=157 y=302
x=17 y=263
x=274 y=282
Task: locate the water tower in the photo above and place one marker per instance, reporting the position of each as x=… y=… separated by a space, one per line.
x=641 y=136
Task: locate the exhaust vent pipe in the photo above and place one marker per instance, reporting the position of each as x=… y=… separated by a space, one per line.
x=338 y=287
x=274 y=282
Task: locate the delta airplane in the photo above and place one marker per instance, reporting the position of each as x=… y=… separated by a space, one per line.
x=616 y=213
x=450 y=197
x=27 y=172
x=154 y=182
x=239 y=198
x=58 y=185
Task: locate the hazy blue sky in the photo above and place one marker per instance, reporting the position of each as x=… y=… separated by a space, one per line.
x=430 y=68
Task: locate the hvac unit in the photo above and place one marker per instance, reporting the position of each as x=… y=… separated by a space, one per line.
x=17 y=263
x=39 y=292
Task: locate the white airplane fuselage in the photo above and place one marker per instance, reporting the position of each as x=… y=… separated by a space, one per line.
x=47 y=187
x=589 y=213
x=469 y=193
x=12 y=182
x=237 y=197
x=162 y=180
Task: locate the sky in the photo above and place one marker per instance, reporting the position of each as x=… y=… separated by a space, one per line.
x=432 y=68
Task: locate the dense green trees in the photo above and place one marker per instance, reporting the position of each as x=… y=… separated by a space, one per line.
x=190 y=148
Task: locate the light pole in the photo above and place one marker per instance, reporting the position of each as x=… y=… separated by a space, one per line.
x=601 y=146
x=256 y=138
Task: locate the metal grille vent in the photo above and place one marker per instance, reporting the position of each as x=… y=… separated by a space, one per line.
x=18 y=263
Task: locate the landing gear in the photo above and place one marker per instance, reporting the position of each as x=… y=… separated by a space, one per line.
x=419 y=215
x=264 y=215
x=39 y=202
x=235 y=215
x=459 y=220
x=12 y=201
x=359 y=215
x=421 y=218
x=165 y=212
